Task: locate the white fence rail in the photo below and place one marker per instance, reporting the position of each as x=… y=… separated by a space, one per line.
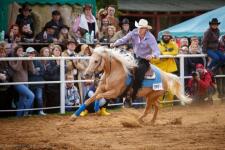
x=63 y=81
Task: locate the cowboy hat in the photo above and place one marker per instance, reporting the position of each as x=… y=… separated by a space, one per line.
x=142 y=24
x=125 y=21
x=214 y=21
x=25 y=7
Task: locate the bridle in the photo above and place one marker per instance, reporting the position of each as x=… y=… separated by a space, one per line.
x=110 y=64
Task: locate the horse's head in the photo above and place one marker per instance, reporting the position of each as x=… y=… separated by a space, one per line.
x=96 y=64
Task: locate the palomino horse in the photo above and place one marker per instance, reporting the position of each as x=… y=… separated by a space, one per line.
x=116 y=67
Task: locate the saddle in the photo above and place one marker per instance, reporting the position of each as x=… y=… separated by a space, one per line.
x=150 y=74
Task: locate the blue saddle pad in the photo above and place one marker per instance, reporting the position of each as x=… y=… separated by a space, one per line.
x=148 y=82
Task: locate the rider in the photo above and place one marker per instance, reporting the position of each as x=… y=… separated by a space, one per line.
x=145 y=47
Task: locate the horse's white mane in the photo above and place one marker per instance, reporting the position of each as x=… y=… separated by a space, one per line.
x=125 y=58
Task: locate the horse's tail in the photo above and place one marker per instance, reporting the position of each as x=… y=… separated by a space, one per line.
x=173 y=84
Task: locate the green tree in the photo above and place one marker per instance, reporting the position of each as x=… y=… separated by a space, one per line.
x=105 y=3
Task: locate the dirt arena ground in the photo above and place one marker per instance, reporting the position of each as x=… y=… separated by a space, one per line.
x=178 y=128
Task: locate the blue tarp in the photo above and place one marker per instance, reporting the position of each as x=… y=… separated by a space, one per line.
x=198 y=25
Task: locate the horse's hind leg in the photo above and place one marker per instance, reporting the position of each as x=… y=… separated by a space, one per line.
x=156 y=109
x=146 y=111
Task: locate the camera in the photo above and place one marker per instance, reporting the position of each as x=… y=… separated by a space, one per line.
x=194 y=74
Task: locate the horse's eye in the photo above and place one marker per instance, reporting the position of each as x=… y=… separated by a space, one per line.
x=96 y=61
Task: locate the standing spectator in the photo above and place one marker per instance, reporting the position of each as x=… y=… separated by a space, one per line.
x=167 y=47
x=123 y=32
x=86 y=22
x=194 y=46
x=5 y=76
x=103 y=27
x=72 y=96
x=110 y=33
x=52 y=73
x=210 y=45
x=73 y=64
x=85 y=51
x=200 y=85
x=21 y=68
x=102 y=13
x=111 y=17
x=184 y=46
x=44 y=52
x=25 y=19
x=14 y=34
x=191 y=62
x=56 y=22
x=37 y=76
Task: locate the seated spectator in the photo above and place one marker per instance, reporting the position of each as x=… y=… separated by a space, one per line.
x=110 y=33
x=21 y=68
x=222 y=43
x=38 y=75
x=14 y=34
x=111 y=17
x=123 y=32
x=27 y=34
x=64 y=35
x=52 y=73
x=47 y=35
x=200 y=86
x=86 y=22
x=72 y=97
x=94 y=107
x=56 y=22
x=210 y=44
x=24 y=19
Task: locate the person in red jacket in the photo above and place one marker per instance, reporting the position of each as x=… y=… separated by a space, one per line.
x=201 y=84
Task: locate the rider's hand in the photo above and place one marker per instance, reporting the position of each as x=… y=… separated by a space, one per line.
x=149 y=57
x=112 y=45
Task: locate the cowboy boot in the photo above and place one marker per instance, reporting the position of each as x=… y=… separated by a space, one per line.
x=103 y=112
x=84 y=113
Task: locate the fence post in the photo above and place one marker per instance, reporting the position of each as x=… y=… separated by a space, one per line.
x=182 y=72
x=62 y=86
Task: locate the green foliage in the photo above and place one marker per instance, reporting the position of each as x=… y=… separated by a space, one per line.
x=105 y=3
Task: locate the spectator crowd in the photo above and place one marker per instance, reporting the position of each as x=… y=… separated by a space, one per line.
x=79 y=39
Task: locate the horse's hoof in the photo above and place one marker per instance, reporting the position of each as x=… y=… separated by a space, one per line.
x=140 y=120
x=73 y=117
x=152 y=122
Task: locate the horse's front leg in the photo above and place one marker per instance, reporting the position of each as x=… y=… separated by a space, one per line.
x=107 y=95
x=83 y=107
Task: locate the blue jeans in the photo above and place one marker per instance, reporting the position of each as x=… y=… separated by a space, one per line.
x=218 y=58
x=38 y=92
x=26 y=99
